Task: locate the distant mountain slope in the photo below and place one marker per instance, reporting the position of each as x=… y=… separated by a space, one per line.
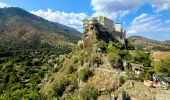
x=149 y=44
x=21 y=28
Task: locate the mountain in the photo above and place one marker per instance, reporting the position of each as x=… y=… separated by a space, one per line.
x=149 y=44
x=22 y=29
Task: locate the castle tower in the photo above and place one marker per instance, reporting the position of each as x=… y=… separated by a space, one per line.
x=107 y=23
x=118 y=27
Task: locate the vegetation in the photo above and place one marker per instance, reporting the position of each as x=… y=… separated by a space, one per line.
x=32 y=29
x=85 y=73
x=102 y=45
x=59 y=86
x=22 y=71
x=88 y=93
x=162 y=67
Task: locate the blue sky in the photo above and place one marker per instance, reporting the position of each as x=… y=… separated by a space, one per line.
x=149 y=18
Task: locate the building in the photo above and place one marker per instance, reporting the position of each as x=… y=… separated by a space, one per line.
x=118 y=27
x=107 y=23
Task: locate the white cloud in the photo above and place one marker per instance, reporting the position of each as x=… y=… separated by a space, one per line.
x=148 y=23
x=115 y=8
x=3 y=5
x=70 y=19
x=160 y=5
x=120 y=8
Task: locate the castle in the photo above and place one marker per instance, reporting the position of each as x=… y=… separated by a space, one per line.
x=108 y=24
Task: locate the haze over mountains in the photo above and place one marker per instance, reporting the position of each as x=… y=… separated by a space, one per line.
x=22 y=29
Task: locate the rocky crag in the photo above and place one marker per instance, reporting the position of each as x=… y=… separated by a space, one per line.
x=97 y=68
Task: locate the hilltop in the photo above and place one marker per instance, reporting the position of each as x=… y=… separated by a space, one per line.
x=20 y=28
x=98 y=66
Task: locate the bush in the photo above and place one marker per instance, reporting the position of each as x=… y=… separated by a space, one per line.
x=59 y=86
x=95 y=58
x=88 y=93
x=102 y=45
x=140 y=57
x=112 y=49
x=36 y=62
x=121 y=80
x=114 y=60
x=73 y=80
x=71 y=69
x=85 y=73
x=130 y=46
x=76 y=59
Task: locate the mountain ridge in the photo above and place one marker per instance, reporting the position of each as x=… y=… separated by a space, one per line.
x=21 y=28
x=144 y=43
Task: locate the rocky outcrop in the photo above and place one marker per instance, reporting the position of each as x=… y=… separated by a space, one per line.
x=93 y=32
x=137 y=91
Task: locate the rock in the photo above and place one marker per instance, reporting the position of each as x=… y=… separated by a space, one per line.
x=69 y=89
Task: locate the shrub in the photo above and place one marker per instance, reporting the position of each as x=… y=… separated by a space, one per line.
x=102 y=45
x=59 y=86
x=130 y=46
x=112 y=49
x=85 y=73
x=73 y=80
x=114 y=60
x=88 y=93
x=121 y=80
x=36 y=62
x=140 y=57
x=95 y=58
x=76 y=59
x=71 y=69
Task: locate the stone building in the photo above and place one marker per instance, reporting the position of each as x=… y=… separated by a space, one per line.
x=118 y=27
x=107 y=23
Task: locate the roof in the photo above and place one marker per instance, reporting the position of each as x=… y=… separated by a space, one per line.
x=167 y=78
x=117 y=23
x=164 y=79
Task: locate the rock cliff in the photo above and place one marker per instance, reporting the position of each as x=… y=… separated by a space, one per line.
x=98 y=67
